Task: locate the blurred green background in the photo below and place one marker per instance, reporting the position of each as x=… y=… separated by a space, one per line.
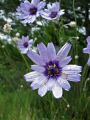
x=17 y=100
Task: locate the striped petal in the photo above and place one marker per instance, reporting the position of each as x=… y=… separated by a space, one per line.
x=51 y=51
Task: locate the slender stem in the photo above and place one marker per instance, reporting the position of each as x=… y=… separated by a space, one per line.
x=76 y=45
x=84 y=75
x=25 y=61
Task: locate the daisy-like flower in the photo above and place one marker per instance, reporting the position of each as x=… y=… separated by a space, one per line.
x=51 y=72
x=52 y=12
x=24 y=44
x=28 y=12
x=87 y=49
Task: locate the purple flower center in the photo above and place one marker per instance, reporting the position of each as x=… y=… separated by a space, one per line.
x=33 y=11
x=53 y=14
x=25 y=44
x=52 y=69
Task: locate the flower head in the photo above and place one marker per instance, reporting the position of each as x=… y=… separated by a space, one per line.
x=51 y=72
x=7 y=28
x=28 y=12
x=52 y=12
x=24 y=44
x=87 y=49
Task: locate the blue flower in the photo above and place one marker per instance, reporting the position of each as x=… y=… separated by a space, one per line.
x=28 y=12
x=24 y=44
x=87 y=49
x=52 y=12
x=51 y=72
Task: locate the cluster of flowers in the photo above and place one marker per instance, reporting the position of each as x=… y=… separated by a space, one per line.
x=51 y=71
x=28 y=12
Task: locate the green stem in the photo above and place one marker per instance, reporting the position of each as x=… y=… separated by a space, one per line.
x=76 y=45
x=84 y=75
x=25 y=61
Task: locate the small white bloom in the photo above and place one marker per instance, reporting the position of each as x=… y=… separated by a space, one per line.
x=17 y=34
x=72 y=24
x=7 y=28
x=76 y=56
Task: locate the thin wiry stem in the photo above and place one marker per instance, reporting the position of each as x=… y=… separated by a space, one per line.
x=76 y=45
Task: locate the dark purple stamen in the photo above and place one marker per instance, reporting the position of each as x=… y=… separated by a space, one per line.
x=33 y=11
x=25 y=44
x=53 y=14
x=52 y=69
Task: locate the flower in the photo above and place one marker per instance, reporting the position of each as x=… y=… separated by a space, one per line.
x=51 y=72
x=72 y=24
x=7 y=28
x=87 y=49
x=24 y=44
x=52 y=12
x=28 y=12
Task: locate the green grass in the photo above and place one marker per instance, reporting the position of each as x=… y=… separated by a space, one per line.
x=19 y=102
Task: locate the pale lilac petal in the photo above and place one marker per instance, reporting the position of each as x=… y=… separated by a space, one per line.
x=71 y=69
x=64 y=83
x=57 y=91
x=45 y=15
x=35 y=58
x=43 y=52
x=23 y=50
x=86 y=50
x=41 y=5
x=65 y=61
x=61 y=12
x=88 y=40
x=39 y=82
x=42 y=90
x=49 y=6
x=63 y=52
x=35 y=2
x=74 y=77
x=55 y=6
x=29 y=19
x=29 y=77
x=38 y=68
x=50 y=84
x=51 y=51
x=88 y=62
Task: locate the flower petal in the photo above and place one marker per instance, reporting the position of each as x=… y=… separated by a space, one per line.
x=35 y=58
x=35 y=2
x=57 y=91
x=65 y=61
x=51 y=51
x=88 y=62
x=50 y=83
x=38 y=68
x=63 y=52
x=64 y=83
x=41 y=5
x=71 y=69
x=74 y=77
x=88 y=40
x=29 y=77
x=38 y=82
x=42 y=90
x=55 y=6
x=43 y=52
x=86 y=50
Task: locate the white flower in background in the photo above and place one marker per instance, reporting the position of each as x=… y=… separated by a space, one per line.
x=7 y=28
x=15 y=39
x=17 y=34
x=72 y=24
